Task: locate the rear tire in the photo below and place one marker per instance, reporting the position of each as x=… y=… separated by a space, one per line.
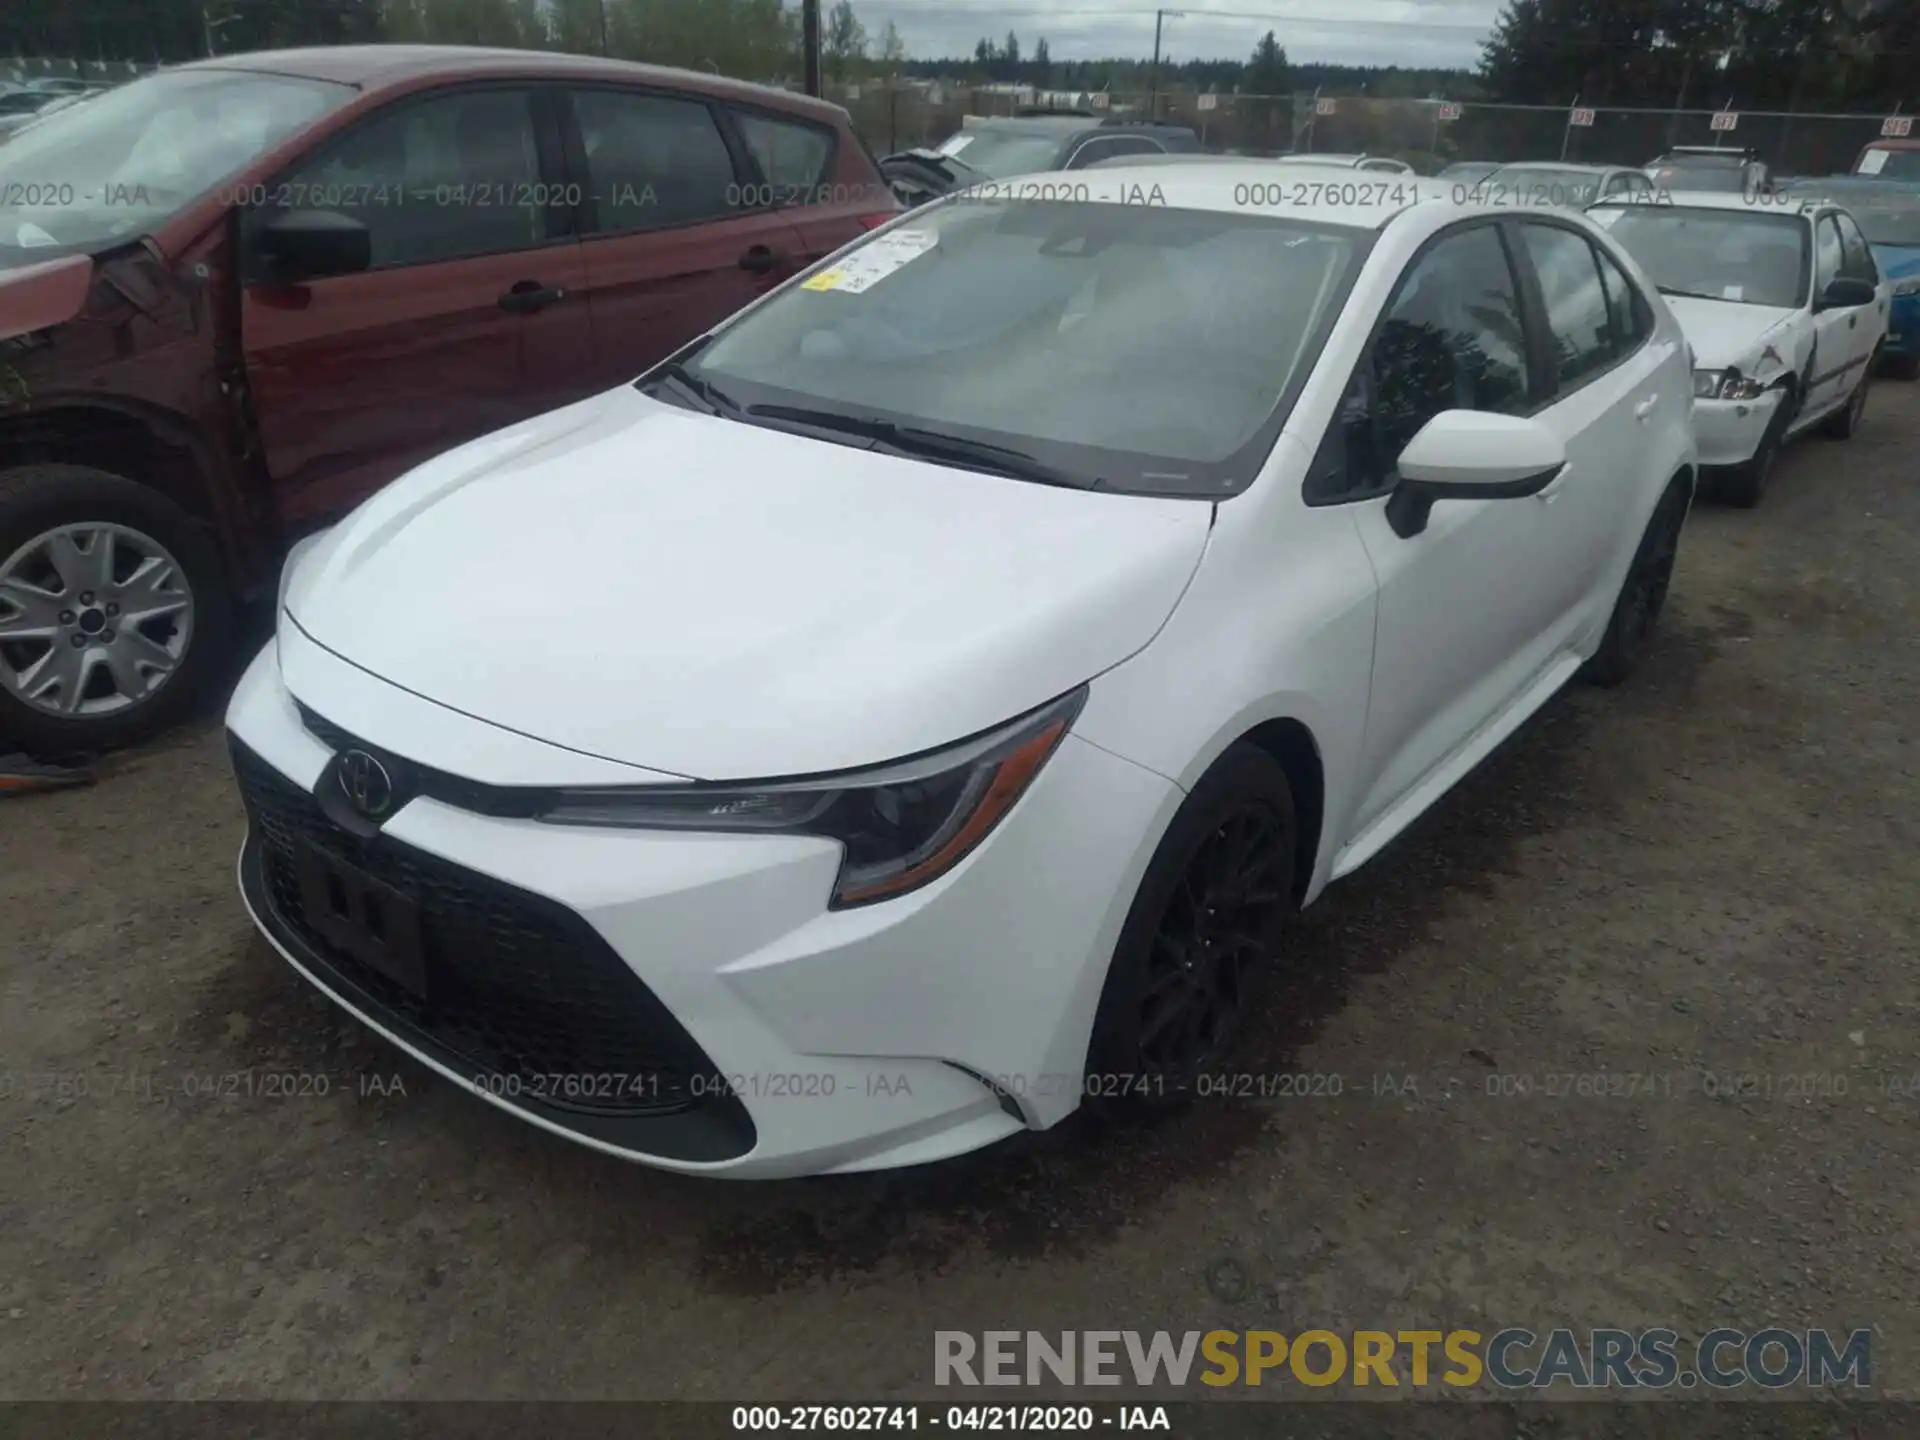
x=1643 y=595
x=114 y=610
x=1202 y=927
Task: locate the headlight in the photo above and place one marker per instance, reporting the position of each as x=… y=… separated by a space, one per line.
x=900 y=826
x=294 y=557
x=1725 y=385
x=1907 y=285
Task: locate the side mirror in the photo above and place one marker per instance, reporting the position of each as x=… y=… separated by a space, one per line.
x=303 y=245
x=1845 y=294
x=1472 y=455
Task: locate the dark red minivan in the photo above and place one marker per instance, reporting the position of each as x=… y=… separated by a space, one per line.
x=237 y=296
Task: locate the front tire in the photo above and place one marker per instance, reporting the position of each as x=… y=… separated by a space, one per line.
x=1643 y=596
x=114 y=612
x=1202 y=927
x=1844 y=423
x=1743 y=485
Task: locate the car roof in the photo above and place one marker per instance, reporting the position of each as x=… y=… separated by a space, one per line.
x=1565 y=165
x=394 y=67
x=1363 y=205
x=1712 y=200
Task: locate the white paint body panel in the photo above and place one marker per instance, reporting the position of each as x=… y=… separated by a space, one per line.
x=726 y=601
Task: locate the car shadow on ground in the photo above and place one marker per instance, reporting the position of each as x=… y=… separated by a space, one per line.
x=1067 y=1191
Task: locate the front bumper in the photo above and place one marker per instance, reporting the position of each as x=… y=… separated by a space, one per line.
x=1903 y=327
x=778 y=1037
x=1729 y=431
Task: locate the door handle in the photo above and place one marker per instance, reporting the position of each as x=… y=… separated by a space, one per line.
x=759 y=260
x=529 y=296
x=1643 y=412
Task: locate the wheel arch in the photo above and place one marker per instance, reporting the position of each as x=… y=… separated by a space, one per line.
x=149 y=447
x=1293 y=746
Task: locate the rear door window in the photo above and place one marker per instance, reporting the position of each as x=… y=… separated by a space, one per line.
x=655 y=162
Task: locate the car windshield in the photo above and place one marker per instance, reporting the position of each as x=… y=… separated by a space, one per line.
x=1890 y=164
x=1468 y=170
x=1135 y=347
x=1701 y=172
x=1544 y=184
x=95 y=174
x=1002 y=154
x=1887 y=214
x=1748 y=256
x=25 y=102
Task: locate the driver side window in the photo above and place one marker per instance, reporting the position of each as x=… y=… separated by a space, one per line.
x=1451 y=338
x=445 y=178
x=1828 y=254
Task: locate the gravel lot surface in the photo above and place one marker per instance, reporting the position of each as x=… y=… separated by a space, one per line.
x=1708 y=874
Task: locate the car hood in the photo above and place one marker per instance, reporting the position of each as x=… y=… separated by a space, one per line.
x=1727 y=332
x=37 y=297
x=722 y=601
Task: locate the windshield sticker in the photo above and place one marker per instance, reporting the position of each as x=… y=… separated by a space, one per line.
x=956 y=144
x=31 y=237
x=1873 y=162
x=872 y=262
x=1733 y=292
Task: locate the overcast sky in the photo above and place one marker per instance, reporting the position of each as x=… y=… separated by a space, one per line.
x=1348 y=32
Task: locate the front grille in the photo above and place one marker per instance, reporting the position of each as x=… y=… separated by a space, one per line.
x=520 y=989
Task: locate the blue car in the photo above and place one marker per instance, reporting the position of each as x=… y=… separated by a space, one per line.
x=1889 y=216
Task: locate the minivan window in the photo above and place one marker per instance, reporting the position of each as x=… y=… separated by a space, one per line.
x=1045 y=327
x=93 y=175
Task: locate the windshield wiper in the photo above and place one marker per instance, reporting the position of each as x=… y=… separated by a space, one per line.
x=1686 y=294
x=930 y=445
x=703 y=390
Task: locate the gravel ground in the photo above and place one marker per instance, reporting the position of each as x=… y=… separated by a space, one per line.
x=1710 y=872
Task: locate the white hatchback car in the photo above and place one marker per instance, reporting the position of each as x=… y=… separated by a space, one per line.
x=919 y=705
x=1784 y=307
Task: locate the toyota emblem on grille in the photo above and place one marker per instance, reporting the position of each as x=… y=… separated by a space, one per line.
x=365 y=782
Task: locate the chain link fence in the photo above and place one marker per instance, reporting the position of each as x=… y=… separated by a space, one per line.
x=21 y=69
x=1427 y=134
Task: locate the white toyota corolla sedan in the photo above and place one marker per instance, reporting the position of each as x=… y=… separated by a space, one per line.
x=919 y=705
x=1784 y=307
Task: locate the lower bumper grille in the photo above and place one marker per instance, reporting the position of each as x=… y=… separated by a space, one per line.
x=522 y=996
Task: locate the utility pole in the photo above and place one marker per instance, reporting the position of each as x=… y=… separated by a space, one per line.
x=605 y=48
x=1153 y=83
x=810 y=43
x=1680 y=102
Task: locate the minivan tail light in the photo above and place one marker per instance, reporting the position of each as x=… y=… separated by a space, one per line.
x=874 y=222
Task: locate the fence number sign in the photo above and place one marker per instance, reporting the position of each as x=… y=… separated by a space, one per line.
x=1582 y=118
x=1099 y=99
x=1449 y=110
x=1896 y=127
x=1209 y=102
x=1726 y=120
x=1325 y=107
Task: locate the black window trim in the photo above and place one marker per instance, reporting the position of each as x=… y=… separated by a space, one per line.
x=1530 y=283
x=547 y=149
x=747 y=178
x=1363 y=363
